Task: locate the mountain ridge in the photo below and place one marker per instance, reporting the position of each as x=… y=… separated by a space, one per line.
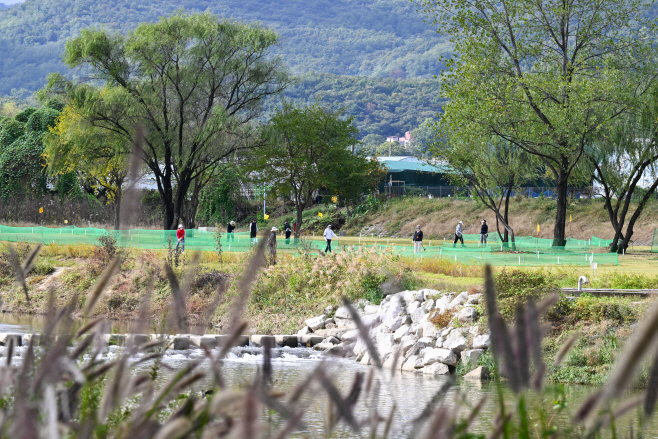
x=344 y=37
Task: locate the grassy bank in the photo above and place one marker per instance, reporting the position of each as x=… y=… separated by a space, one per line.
x=397 y=218
x=296 y=288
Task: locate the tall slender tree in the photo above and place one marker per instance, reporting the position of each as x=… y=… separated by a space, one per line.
x=546 y=75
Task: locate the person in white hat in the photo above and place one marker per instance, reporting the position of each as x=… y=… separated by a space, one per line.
x=458 y=234
x=328 y=236
x=484 y=233
x=417 y=239
x=230 y=229
x=271 y=246
x=180 y=236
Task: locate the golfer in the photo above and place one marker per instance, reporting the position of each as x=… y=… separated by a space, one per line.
x=484 y=233
x=229 y=230
x=288 y=230
x=328 y=235
x=458 y=234
x=417 y=239
x=180 y=235
x=253 y=231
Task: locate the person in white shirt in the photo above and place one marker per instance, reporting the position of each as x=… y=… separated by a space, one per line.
x=458 y=234
x=328 y=235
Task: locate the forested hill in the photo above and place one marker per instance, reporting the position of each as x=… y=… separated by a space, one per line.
x=345 y=37
x=383 y=106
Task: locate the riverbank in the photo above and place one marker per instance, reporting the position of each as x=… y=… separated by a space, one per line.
x=287 y=294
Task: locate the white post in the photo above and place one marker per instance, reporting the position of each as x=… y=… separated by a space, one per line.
x=519 y=260
x=359 y=239
x=558 y=260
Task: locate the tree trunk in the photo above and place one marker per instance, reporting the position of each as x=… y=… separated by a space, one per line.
x=117 y=210
x=559 y=238
x=298 y=228
x=506 y=214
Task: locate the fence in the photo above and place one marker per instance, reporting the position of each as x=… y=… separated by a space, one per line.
x=530 y=251
x=528 y=192
x=654 y=243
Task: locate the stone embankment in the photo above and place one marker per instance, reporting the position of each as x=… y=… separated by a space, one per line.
x=404 y=334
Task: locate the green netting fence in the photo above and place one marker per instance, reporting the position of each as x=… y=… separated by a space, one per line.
x=654 y=243
x=529 y=251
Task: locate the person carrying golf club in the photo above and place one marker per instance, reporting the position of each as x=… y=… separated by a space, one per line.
x=417 y=239
x=328 y=236
x=458 y=234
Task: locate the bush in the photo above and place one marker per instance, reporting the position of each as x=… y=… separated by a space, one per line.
x=515 y=287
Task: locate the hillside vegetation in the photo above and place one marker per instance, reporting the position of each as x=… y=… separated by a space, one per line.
x=383 y=106
x=439 y=217
x=346 y=37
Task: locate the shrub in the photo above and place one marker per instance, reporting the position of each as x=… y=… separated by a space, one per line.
x=515 y=287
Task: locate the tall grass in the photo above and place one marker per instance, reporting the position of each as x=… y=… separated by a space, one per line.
x=75 y=392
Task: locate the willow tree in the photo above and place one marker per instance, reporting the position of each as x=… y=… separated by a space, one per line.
x=194 y=83
x=624 y=162
x=545 y=75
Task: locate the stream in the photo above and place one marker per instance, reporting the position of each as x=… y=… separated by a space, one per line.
x=408 y=391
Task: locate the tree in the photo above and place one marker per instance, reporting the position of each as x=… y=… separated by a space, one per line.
x=22 y=166
x=422 y=138
x=308 y=148
x=393 y=149
x=545 y=75
x=98 y=157
x=194 y=83
x=624 y=161
x=491 y=165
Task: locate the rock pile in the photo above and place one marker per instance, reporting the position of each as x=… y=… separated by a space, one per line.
x=401 y=327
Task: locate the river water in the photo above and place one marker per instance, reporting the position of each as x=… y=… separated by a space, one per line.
x=408 y=391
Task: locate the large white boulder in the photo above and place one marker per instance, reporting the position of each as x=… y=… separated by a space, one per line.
x=458 y=301
x=456 y=344
x=436 y=369
x=316 y=322
x=371 y=309
x=406 y=344
x=417 y=315
x=342 y=313
x=430 y=330
x=395 y=323
x=350 y=336
x=428 y=305
x=467 y=315
x=481 y=341
x=438 y=355
x=391 y=311
x=385 y=344
x=413 y=363
x=471 y=356
x=413 y=306
x=401 y=332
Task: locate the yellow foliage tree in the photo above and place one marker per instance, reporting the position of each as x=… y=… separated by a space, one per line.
x=98 y=157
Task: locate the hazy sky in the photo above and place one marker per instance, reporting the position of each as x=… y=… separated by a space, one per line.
x=11 y=2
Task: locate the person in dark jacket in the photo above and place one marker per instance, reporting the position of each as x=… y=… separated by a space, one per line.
x=230 y=228
x=484 y=233
x=417 y=239
x=253 y=231
x=288 y=230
